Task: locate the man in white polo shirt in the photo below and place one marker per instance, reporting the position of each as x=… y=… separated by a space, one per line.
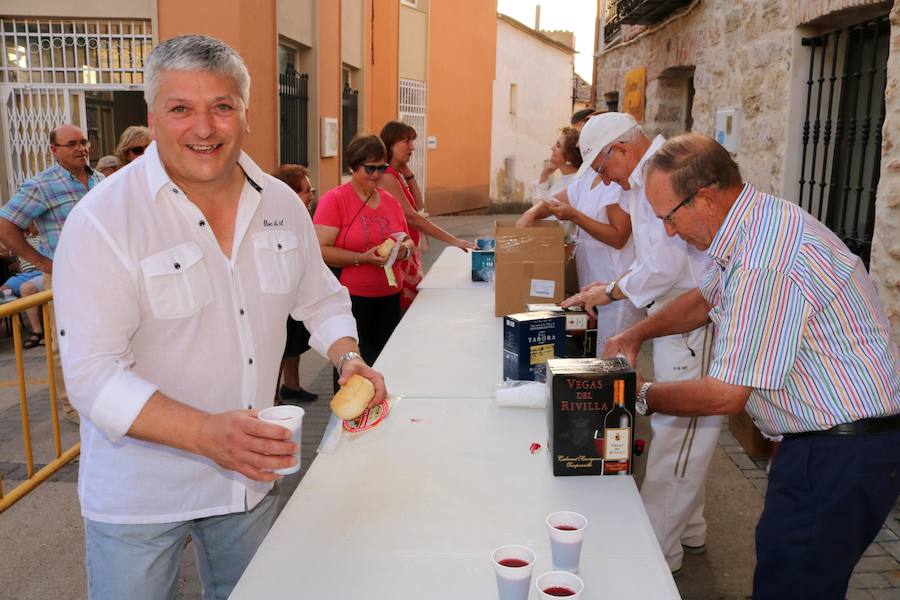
x=173 y=282
x=615 y=147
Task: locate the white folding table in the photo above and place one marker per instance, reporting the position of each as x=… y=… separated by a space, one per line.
x=413 y=509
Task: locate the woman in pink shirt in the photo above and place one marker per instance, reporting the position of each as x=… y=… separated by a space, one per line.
x=352 y=220
x=400 y=182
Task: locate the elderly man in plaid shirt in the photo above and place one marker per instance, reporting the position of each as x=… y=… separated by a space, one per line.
x=46 y=200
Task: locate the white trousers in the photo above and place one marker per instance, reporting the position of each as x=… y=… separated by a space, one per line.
x=681 y=449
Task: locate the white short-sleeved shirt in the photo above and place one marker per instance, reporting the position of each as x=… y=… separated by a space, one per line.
x=597 y=261
x=663 y=264
x=146 y=301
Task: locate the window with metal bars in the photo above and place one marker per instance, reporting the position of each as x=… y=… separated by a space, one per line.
x=841 y=135
x=293 y=93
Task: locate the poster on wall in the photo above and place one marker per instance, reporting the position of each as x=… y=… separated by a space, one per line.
x=635 y=85
x=329 y=140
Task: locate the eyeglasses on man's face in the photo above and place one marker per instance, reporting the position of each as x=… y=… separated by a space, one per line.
x=372 y=169
x=668 y=218
x=602 y=166
x=74 y=144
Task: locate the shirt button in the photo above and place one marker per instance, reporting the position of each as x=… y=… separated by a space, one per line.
x=241 y=311
x=250 y=361
x=62 y=332
x=177 y=266
x=174 y=190
x=279 y=246
x=202 y=223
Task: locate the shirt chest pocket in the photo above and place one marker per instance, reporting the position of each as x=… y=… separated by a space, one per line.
x=177 y=281
x=277 y=261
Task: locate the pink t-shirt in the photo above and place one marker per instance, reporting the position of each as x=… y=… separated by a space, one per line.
x=360 y=228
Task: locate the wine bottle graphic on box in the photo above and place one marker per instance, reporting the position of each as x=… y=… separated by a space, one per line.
x=617 y=434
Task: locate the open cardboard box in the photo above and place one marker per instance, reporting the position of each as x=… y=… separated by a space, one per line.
x=529 y=265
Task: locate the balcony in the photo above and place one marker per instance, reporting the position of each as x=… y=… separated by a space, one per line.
x=639 y=12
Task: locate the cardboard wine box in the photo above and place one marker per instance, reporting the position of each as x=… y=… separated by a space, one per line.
x=529 y=266
x=529 y=341
x=581 y=415
x=483 y=261
x=581 y=330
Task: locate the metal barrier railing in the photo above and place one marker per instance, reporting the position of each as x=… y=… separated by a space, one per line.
x=12 y=310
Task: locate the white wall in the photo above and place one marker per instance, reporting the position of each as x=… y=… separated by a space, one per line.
x=543 y=77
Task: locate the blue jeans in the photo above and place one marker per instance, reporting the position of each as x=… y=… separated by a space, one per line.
x=827 y=498
x=141 y=562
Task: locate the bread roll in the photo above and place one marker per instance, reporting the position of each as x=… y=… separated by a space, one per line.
x=386 y=246
x=353 y=398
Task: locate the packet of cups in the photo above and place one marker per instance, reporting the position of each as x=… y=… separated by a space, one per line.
x=521 y=394
x=337 y=429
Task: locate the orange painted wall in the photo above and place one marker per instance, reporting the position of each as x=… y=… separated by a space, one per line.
x=461 y=70
x=382 y=48
x=328 y=44
x=248 y=26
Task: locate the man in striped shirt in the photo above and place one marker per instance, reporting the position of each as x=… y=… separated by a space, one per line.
x=803 y=344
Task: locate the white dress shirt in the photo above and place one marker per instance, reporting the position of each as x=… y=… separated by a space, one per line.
x=597 y=261
x=146 y=300
x=664 y=265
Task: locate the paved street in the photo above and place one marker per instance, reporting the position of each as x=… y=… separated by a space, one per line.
x=42 y=534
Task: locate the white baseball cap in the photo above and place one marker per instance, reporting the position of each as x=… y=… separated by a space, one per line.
x=600 y=131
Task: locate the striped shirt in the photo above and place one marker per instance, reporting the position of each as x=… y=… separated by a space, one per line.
x=46 y=200
x=798 y=320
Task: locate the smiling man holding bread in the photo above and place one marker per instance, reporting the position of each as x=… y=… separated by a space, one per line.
x=173 y=282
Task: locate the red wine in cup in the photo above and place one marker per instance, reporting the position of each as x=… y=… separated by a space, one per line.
x=558 y=590
x=514 y=562
x=565 y=527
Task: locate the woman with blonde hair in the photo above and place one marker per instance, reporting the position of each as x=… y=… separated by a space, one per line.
x=132 y=143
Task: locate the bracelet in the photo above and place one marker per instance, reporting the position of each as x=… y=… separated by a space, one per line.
x=409 y=177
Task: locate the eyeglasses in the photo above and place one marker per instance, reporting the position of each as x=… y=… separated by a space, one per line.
x=74 y=144
x=671 y=214
x=602 y=166
x=137 y=150
x=371 y=169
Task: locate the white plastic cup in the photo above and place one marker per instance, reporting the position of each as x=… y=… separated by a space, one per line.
x=565 y=543
x=557 y=582
x=513 y=582
x=291 y=418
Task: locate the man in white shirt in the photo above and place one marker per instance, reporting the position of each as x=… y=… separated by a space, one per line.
x=173 y=281
x=615 y=147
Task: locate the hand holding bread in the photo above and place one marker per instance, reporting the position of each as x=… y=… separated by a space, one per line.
x=353 y=397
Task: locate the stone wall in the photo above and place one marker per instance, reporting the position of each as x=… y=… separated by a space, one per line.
x=740 y=51
x=885 y=263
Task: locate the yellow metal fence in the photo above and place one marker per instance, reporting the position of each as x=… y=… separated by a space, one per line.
x=12 y=310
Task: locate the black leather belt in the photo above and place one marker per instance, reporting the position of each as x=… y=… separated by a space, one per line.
x=861 y=427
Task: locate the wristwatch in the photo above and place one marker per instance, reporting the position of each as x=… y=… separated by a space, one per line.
x=640 y=402
x=345 y=357
x=609 y=290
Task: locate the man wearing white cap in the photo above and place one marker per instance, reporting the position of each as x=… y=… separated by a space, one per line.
x=615 y=147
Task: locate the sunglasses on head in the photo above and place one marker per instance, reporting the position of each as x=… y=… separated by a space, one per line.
x=371 y=169
x=137 y=150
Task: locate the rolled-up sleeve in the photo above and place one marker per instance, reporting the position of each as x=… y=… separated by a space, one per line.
x=323 y=304
x=95 y=329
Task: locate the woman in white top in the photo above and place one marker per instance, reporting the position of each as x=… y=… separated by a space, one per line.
x=565 y=158
x=603 y=247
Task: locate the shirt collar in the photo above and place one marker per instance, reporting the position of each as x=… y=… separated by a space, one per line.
x=722 y=246
x=64 y=171
x=636 y=179
x=157 y=178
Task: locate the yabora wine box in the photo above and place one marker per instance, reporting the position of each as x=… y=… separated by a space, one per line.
x=590 y=416
x=529 y=341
